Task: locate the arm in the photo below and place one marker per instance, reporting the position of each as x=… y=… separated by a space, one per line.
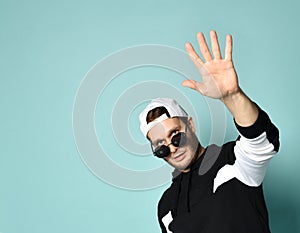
x=164 y=214
x=253 y=150
x=259 y=138
x=219 y=79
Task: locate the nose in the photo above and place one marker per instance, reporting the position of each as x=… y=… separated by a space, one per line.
x=172 y=148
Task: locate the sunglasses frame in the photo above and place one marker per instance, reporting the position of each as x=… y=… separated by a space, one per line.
x=167 y=148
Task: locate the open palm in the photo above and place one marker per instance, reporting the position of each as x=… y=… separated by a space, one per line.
x=219 y=78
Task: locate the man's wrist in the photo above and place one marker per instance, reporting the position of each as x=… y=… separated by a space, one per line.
x=233 y=97
x=244 y=111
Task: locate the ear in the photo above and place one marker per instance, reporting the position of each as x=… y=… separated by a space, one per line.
x=190 y=123
x=148 y=136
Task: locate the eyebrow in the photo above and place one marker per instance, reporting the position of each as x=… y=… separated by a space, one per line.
x=178 y=127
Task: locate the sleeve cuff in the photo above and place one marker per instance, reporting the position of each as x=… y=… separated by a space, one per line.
x=258 y=127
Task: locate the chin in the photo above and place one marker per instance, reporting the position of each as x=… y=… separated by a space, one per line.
x=181 y=167
x=186 y=162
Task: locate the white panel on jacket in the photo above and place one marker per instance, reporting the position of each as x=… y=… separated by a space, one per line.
x=167 y=219
x=252 y=158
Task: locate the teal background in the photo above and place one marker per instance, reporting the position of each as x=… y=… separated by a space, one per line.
x=46 y=49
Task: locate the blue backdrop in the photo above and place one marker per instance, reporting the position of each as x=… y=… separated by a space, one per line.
x=47 y=49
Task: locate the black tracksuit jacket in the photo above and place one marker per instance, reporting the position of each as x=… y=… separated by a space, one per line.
x=223 y=191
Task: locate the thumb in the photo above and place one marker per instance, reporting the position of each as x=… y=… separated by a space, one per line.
x=197 y=86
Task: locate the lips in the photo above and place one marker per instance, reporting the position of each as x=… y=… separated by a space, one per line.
x=178 y=157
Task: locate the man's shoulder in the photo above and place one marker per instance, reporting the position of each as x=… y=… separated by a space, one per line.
x=215 y=154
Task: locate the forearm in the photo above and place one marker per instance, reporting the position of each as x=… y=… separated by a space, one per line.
x=244 y=111
x=254 y=148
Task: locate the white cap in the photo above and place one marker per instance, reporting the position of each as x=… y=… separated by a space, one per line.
x=173 y=108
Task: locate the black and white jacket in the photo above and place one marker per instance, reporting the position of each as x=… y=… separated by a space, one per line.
x=223 y=192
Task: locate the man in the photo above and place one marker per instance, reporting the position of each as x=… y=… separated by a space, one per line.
x=214 y=189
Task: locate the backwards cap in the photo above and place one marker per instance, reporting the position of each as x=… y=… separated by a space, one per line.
x=173 y=108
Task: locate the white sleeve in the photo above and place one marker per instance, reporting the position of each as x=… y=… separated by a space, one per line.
x=252 y=158
x=253 y=150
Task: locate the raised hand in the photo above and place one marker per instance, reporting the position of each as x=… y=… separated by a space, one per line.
x=219 y=78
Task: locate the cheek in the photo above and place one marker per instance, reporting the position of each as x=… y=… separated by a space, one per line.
x=193 y=143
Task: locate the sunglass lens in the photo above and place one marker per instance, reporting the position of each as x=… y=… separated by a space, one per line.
x=179 y=139
x=162 y=151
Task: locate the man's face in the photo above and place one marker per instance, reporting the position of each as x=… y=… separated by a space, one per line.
x=162 y=133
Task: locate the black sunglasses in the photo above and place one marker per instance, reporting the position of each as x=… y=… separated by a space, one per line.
x=177 y=140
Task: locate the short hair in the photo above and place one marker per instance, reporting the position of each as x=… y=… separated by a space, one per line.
x=158 y=111
x=155 y=113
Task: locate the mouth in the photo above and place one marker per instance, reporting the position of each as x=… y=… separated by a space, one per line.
x=180 y=156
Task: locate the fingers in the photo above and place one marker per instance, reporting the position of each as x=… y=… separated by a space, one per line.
x=200 y=87
x=215 y=45
x=190 y=84
x=203 y=47
x=193 y=55
x=228 y=48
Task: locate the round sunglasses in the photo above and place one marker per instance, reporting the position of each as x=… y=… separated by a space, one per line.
x=178 y=140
